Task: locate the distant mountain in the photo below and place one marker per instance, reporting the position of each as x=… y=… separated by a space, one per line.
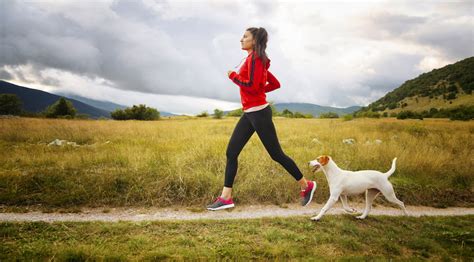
x=446 y=87
x=315 y=110
x=36 y=100
x=105 y=105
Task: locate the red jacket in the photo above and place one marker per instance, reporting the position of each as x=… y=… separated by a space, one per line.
x=252 y=80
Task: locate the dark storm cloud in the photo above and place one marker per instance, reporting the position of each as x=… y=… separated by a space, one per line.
x=4 y=75
x=127 y=46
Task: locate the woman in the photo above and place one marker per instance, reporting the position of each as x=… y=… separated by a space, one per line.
x=252 y=80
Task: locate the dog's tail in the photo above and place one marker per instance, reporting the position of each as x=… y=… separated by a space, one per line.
x=392 y=169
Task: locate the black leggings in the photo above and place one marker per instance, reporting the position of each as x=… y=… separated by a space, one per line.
x=260 y=121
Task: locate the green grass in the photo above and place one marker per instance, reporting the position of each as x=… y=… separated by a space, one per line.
x=182 y=162
x=335 y=237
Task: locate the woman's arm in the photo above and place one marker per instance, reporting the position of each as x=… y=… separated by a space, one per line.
x=272 y=83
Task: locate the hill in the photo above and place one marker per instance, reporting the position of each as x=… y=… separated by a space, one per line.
x=315 y=110
x=447 y=87
x=36 y=100
x=105 y=105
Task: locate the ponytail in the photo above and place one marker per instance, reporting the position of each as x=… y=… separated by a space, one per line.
x=261 y=37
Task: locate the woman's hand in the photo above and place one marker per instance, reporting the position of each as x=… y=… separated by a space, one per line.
x=229 y=72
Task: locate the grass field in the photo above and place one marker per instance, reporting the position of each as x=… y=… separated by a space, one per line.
x=182 y=161
x=336 y=237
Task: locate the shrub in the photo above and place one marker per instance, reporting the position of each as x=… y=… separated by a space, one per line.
x=218 y=113
x=60 y=109
x=10 y=104
x=203 y=114
x=348 y=117
x=140 y=112
x=409 y=114
x=287 y=113
x=236 y=112
x=329 y=115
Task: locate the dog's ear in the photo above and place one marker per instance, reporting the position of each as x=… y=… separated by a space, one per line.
x=323 y=160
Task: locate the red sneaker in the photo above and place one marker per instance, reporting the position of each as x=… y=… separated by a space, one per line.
x=307 y=194
x=221 y=203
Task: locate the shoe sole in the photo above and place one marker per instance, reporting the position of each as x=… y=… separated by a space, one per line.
x=221 y=207
x=312 y=193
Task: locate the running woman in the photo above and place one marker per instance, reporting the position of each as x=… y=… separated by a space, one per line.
x=257 y=117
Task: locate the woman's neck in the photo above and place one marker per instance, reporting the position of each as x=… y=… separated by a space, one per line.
x=250 y=51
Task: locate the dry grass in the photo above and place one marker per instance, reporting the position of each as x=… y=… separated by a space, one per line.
x=182 y=161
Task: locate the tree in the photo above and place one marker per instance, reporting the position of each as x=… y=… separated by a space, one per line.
x=10 y=104
x=218 y=113
x=140 y=112
x=287 y=113
x=61 y=108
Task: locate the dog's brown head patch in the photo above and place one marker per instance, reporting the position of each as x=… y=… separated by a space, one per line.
x=323 y=159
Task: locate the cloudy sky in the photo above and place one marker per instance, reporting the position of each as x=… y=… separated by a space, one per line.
x=174 y=55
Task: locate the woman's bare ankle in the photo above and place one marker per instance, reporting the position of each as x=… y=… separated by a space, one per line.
x=303 y=183
x=226 y=193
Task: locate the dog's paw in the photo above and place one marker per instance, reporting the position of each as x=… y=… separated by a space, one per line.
x=360 y=217
x=315 y=218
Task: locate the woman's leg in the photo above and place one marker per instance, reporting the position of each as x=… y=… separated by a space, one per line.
x=241 y=135
x=262 y=123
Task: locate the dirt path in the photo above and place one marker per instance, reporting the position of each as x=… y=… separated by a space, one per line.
x=239 y=212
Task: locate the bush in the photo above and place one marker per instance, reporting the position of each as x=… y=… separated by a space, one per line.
x=60 y=109
x=329 y=115
x=462 y=113
x=369 y=114
x=409 y=114
x=218 y=113
x=236 y=112
x=140 y=112
x=348 y=117
x=10 y=104
x=287 y=113
x=451 y=96
x=203 y=114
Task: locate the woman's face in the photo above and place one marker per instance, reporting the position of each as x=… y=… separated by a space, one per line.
x=247 y=42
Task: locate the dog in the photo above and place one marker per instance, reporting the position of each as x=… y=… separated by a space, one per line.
x=343 y=183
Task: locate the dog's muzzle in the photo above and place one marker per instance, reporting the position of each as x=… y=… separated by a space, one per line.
x=314 y=166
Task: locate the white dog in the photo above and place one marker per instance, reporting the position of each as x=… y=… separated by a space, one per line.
x=343 y=183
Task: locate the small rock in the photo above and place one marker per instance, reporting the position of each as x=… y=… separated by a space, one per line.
x=57 y=142
x=72 y=144
x=348 y=141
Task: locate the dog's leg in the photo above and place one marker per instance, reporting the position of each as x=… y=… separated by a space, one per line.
x=331 y=201
x=370 y=195
x=389 y=194
x=346 y=207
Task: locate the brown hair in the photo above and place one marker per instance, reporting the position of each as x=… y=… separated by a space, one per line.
x=261 y=37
